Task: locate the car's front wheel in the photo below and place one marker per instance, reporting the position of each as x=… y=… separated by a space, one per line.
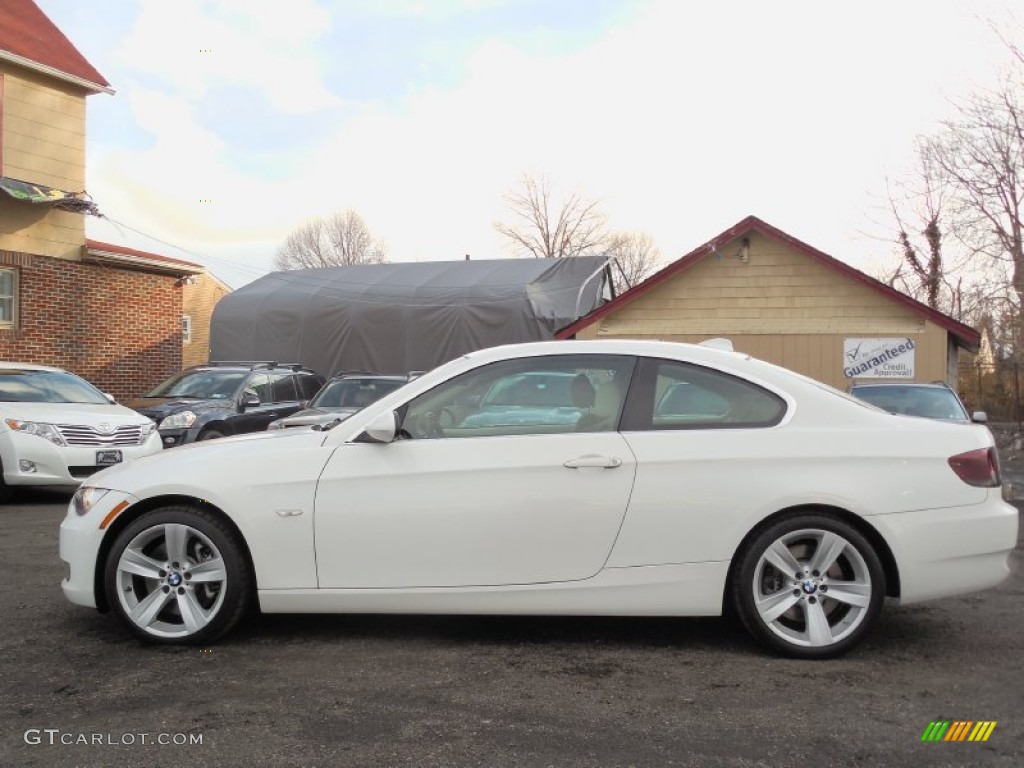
x=809 y=586
x=178 y=575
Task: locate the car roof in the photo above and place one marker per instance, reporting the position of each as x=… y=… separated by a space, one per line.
x=28 y=367
x=375 y=376
x=648 y=347
x=922 y=384
x=244 y=368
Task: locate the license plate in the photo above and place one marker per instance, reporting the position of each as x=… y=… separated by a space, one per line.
x=106 y=458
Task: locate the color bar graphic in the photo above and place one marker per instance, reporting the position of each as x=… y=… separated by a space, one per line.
x=958 y=730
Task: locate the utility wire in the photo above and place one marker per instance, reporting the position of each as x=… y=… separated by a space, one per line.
x=301 y=278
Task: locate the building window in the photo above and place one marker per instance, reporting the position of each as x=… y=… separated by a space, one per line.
x=186 y=329
x=8 y=298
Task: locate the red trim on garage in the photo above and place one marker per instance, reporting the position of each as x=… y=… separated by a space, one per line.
x=965 y=335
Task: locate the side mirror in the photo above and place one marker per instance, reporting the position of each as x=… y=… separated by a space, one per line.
x=249 y=400
x=979 y=417
x=381 y=430
x=110 y=397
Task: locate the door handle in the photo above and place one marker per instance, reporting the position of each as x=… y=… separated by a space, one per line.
x=593 y=460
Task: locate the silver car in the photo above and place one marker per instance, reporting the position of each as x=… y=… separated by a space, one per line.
x=340 y=397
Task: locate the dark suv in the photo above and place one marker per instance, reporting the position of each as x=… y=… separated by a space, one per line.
x=209 y=401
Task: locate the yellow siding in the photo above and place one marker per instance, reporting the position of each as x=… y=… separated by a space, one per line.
x=43 y=130
x=38 y=229
x=43 y=143
x=198 y=302
x=779 y=306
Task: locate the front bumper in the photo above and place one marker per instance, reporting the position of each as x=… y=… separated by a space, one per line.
x=951 y=551
x=59 y=465
x=180 y=435
x=80 y=541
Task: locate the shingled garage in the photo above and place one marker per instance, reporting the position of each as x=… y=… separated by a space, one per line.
x=782 y=300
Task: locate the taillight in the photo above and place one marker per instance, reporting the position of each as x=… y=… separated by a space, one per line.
x=980 y=467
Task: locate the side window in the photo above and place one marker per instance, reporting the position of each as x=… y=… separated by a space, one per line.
x=674 y=395
x=282 y=388
x=259 y=385
x=529 y=396
x=8 y=298
x=308 y=386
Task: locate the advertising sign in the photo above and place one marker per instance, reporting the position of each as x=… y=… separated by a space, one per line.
x=878 y=358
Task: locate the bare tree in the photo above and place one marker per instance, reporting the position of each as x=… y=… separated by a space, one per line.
x=918 y=207
x=635 y=258
x=981 y=153
x=339 y=240
x=542 y=228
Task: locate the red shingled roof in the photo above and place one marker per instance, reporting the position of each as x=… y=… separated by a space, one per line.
x=185 y=266
x=966 y=336
x=27 y=32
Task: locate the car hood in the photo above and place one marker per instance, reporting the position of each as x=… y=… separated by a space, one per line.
x=72 y=413
x=317 y=416
x=208 y=467
x=160 y=407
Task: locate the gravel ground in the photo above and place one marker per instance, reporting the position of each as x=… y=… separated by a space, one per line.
x=458 y=691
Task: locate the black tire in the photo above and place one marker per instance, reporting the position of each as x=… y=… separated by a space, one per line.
x=205 y=539
x=209 y=434
x=855 y=572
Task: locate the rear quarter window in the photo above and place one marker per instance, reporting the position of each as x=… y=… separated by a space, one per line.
x=669 y=394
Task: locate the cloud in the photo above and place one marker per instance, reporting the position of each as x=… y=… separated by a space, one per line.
x=683 y=120
x=193 y=45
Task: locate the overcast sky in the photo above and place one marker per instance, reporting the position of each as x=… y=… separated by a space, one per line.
x=235 y=120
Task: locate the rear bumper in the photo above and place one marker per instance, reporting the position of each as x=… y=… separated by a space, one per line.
x=951 y=551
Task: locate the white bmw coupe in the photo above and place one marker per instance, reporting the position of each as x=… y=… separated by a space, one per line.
x=573 y=477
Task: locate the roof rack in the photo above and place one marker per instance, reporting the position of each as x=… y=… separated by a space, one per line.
x=339 y=374
x=257 y=364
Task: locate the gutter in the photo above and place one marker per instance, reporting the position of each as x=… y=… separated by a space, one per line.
x=45 y=69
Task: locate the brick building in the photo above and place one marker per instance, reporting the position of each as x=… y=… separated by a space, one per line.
x=108 y=313
x=200 y=296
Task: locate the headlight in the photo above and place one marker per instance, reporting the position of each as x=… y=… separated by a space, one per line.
x=87 y=497
x=37 y=428
x=178 y=420
x=147 y=429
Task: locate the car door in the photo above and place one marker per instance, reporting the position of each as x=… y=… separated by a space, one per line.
x=264 y=386
x=707 y=449
x=461 y=500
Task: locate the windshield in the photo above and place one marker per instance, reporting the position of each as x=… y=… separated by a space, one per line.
x=927 y=402
x=26 y=386
x=201 y=385
x=353 y=393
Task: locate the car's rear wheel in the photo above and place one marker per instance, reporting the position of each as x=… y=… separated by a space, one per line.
x=809 y=586
x=178 y=575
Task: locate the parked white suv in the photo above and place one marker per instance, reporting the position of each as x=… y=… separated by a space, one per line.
x=57 y=429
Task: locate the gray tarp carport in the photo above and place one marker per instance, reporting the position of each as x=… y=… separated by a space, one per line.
x=400 y=317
